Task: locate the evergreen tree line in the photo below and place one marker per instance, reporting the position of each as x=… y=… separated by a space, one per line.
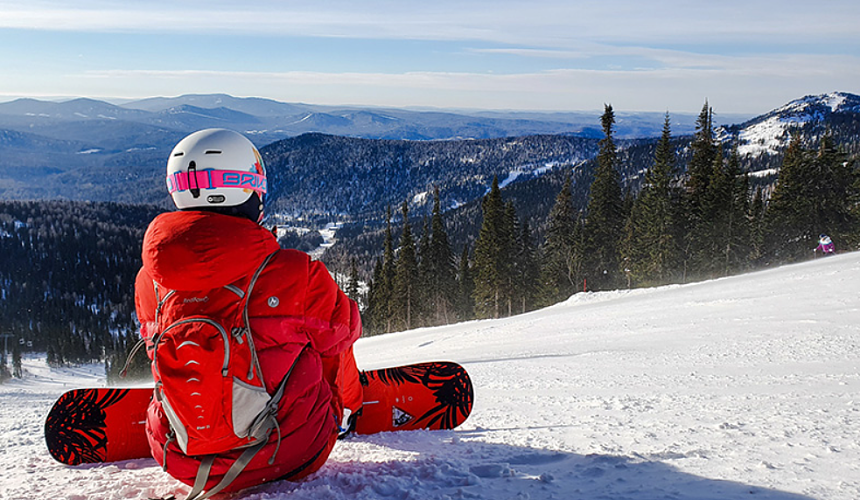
x=67 y=276
x=418 y=284
x=705 y=222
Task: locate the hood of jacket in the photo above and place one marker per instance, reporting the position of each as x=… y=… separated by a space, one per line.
x=197 y=250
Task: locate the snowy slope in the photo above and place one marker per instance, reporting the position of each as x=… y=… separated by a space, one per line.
x=743 y=387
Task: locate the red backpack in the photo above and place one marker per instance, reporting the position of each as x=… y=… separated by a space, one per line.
x=208 y=378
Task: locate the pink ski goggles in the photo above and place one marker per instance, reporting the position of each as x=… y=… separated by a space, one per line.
x=210 y=179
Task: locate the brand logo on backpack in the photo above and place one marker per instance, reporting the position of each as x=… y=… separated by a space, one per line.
x=193 y=300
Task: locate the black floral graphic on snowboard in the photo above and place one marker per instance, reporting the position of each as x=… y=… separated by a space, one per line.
x=449 y=383
x=75 y=429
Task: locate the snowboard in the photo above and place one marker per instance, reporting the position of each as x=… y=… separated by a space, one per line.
x=108 y=424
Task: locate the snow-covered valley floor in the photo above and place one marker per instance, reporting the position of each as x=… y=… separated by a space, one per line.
x=743 y=387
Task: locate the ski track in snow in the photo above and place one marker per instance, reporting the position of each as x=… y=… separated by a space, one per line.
x=742 y=387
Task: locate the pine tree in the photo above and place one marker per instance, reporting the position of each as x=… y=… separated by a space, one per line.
x=371 y=323
x=510 y=230
x=492 y=257
x=789 y=216
x=723 y=231
x=526 y=272
x=53 y=359
x=653 y=255
x=705 y=151
x=833 y=192
x=441 y=284
x=562 y=255
x=738 y=245
x=711 y=220
x=757 y=225
x=382 y=303
x=406 y=276
x=352 y=284
x=700 y=171
x=424 y=292
x=605 y=219
x=853 y=237
x=465 y=287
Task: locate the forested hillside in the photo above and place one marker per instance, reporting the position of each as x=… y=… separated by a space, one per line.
x=67 y=276
x=533 y=196
x=318 y=173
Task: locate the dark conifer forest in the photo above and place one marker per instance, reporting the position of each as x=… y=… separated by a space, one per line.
x=67 y=272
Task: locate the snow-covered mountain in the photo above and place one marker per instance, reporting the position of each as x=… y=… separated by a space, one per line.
x=770 y=133
x=742 y=387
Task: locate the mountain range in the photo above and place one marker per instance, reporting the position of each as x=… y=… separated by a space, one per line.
x=353 y=162
x=87 y=125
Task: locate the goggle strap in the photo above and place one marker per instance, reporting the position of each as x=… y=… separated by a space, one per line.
x=211 y=179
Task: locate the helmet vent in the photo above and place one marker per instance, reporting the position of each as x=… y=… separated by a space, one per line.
x=180 y=153
x=213 y=152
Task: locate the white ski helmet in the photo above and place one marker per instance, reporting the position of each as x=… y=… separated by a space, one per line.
x=218 y=170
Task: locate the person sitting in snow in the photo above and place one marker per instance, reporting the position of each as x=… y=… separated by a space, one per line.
x=302 y=325
x=825 y=245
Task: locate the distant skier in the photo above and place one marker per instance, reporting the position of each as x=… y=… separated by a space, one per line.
x=232 y=409
x=825 y=245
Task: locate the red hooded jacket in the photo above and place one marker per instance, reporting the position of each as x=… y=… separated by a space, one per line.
x=295 y=302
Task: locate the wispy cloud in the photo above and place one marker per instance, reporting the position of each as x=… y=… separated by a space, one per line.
x=546 y=54
x=760 y=84
x=542 y=22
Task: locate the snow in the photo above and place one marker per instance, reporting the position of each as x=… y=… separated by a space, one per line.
x=766 y=137
x=421 y=198
x=835 y=100
x=741 y=387
x=329 y=239
x=512 y=176
x=525 y=170
x=764 y=173
x=303 y=119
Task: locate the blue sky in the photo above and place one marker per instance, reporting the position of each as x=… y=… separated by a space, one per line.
x=744 y=57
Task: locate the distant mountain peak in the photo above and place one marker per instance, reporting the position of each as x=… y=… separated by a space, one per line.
x=771 y=132
x=835 y=102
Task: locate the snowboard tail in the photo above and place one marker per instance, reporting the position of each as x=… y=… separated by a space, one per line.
x=108 y=425
x=432 y=396
x=98 y=425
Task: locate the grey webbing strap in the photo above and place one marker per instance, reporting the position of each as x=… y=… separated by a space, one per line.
x=202 y=476
x=233 y=472
x=244 y=459
x=247 y=298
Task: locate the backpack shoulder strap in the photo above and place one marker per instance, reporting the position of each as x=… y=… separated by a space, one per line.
x=255 y=364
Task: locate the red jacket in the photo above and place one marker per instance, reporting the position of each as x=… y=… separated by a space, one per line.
x=294 y=302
